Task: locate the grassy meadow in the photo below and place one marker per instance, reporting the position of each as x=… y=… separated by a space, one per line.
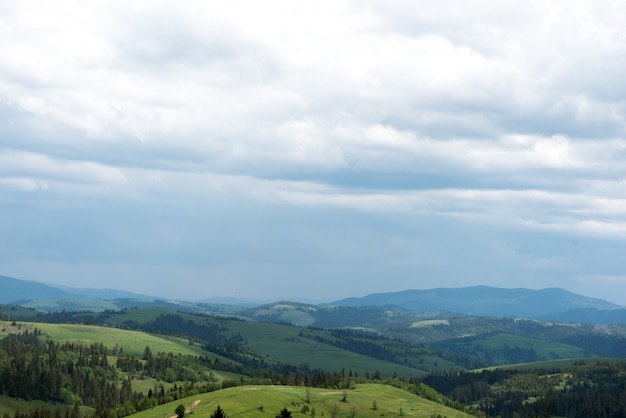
x=284 y=343
x=560 y=364
x=546 y=350
x=133 y=342
x=268 y=401
x=74 y=304
x=13 y=405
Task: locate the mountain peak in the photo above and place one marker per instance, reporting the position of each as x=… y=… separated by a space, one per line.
x=14 y=290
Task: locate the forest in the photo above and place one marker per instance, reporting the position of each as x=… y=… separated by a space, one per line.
x=583 y=390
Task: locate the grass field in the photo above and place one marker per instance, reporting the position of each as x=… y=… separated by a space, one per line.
x=74 y=304
x=17 y=311
x=285 y=344
x=267 y=401
x=545 y=350
x=12 y=405
x=133 y=342
x=555 y=364
x=429 y=323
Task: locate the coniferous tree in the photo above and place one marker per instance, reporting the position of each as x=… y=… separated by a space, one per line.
x=284 y=413
x=219 y=413
x=76 y=410
x=180 y=411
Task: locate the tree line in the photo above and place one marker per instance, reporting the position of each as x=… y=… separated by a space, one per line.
x=584 y=390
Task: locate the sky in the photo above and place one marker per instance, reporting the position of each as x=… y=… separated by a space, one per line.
x=313 y=150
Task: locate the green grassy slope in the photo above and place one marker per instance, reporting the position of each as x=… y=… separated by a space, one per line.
x=74 y=304
x=267 y=401
x=545 y=350
x=11 y=406
x=17 y=311
x=508 y=349
x=285 y=344
x=561 y=364
x=132 y=342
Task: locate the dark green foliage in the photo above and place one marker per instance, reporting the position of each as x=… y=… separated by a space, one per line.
x=219 y=413
x=76 y=410
x=172 y=324
x=603 y=345
x=180 y=411
x=587 y=390
x=284 y=413
x=52 y=372
x=71 y=372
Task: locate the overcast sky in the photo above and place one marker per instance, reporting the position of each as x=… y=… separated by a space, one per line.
x=313 y=150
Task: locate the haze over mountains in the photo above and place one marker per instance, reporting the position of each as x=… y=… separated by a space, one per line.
x=484 y=301
x=14 y=290
x=547 y=304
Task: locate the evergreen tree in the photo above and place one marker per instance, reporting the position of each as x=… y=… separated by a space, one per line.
x=219 y=413
x=284 y=413
x=180 y=411
x=76 y=410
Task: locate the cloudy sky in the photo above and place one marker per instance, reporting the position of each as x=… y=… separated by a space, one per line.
x=313 y=150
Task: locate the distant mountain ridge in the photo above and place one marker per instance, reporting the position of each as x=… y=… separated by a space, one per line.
x=484 y=301
x=14 y=290
x=589 y=315
x=553 y=304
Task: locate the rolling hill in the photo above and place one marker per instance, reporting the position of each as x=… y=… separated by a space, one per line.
x=365 y=400
x=14 y=290
x=483 y=301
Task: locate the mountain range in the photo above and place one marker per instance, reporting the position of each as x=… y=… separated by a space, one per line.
x=553 y=304
x=14 y=291
x=484 y=301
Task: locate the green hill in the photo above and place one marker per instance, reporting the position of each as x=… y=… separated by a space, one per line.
x=131 y=342
x=366 y=400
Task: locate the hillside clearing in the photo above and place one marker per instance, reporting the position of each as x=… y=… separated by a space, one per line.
x=267 y=401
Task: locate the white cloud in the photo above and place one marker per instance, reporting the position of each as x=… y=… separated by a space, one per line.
x=44 y=166
x=22 y=184
x=307 y=117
